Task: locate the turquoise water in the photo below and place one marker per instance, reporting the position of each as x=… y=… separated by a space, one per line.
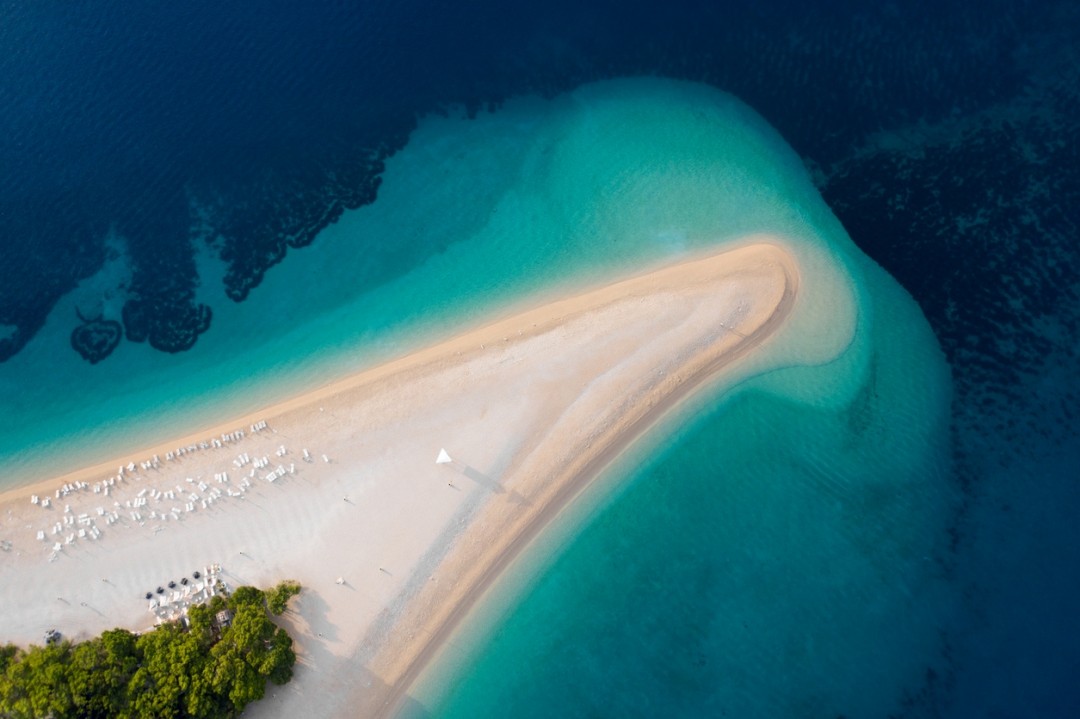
x=776 y=555
x=944 y=135
x=472 y=215
x=772 y=559
x=781 y=552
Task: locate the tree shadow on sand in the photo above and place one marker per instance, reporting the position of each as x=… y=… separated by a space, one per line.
x=307 y=622
x=492 y=484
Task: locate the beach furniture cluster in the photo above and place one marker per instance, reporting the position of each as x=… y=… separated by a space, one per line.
x=214 y=442
x=170 y=602
x=244 y=459
x=309 y=458
x=163 y=497
x=102 y=488
x=72 y=527
x=198 y=494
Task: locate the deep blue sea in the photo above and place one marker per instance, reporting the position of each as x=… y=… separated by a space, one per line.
x=194 y=206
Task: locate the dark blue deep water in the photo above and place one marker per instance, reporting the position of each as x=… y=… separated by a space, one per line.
x=944 y=135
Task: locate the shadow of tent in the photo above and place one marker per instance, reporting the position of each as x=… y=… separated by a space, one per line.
x=482 y=479
x=412 y=709
x=486 y=481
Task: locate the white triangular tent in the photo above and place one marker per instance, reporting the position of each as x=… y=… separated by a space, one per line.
x=443 y=457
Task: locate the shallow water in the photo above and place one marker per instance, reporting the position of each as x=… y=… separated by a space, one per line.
x=772 y=558
x=744 y=571
x=942 y=134
x=783 y=552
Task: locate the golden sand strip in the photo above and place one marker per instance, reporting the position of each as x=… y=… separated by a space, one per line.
x=591 y=437
x=393 y=549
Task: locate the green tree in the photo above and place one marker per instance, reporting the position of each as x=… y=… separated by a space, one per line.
x=278 y=597
x=247 y=596
x=234 y=675
x=200 y=623
x=279 y=661
x=100 y=669
x=202 y=672
x=10 y=692
x=171 y=660
x=8 y=652
x=40 y=682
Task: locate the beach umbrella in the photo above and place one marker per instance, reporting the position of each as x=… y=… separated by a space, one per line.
x=443 y=458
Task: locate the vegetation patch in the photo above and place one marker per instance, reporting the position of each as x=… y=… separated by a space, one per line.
x=212 y=665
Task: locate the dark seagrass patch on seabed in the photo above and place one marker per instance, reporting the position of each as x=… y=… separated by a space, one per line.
x=235 y=151
x=95 y=339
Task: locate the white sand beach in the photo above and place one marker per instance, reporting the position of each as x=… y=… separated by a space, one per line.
x=530 y=408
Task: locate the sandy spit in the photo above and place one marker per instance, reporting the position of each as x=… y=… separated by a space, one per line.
x=339 y=488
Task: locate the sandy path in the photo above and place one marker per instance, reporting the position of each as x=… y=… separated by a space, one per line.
x=531 y=408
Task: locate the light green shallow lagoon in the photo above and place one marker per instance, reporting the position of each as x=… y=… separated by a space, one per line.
x=771 y=551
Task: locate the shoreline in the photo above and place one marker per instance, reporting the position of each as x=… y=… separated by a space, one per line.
x=416 y=559
x=573 y=482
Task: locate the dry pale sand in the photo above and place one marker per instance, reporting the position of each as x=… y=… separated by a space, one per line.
x=530 y=407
